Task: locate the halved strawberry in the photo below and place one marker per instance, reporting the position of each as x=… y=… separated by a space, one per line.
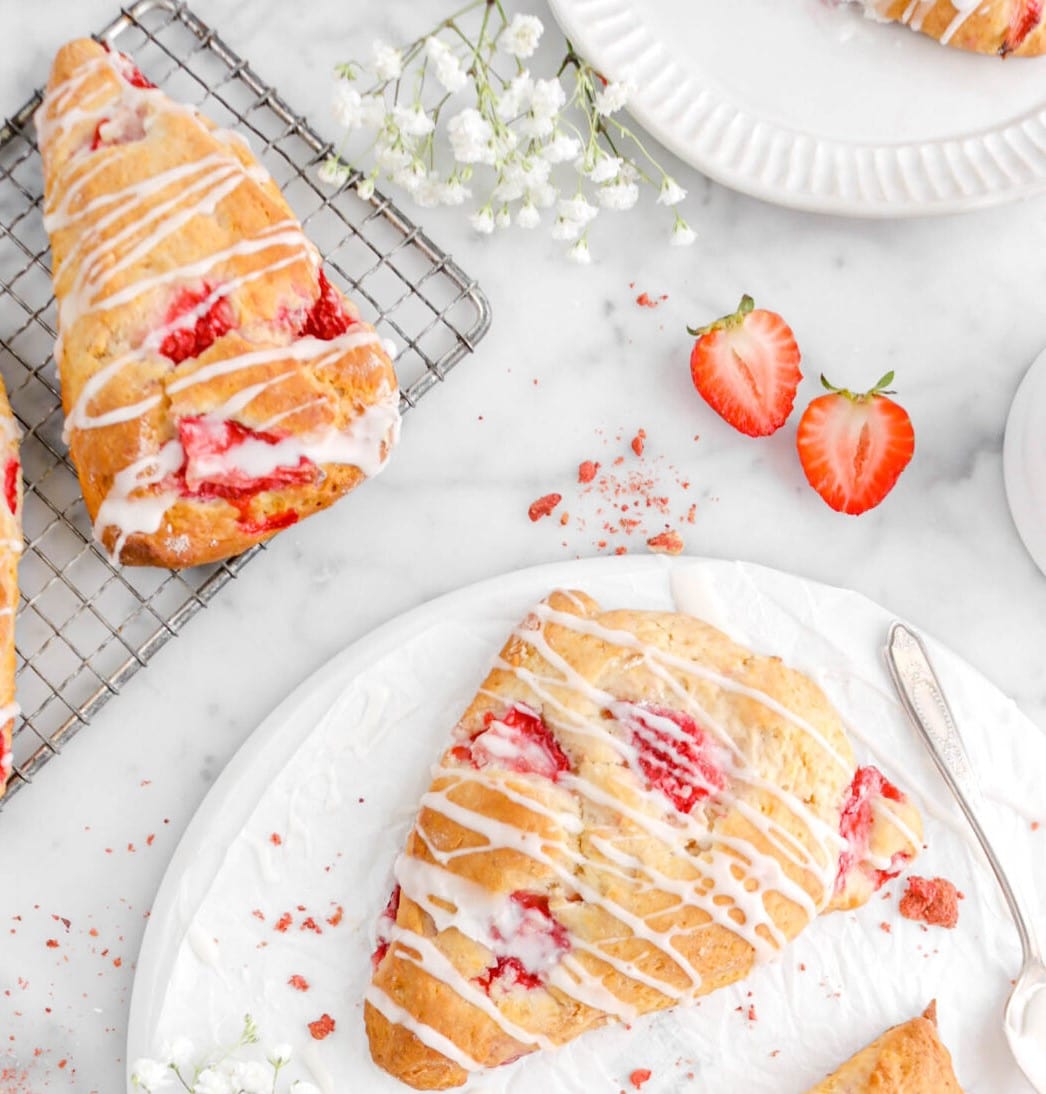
x=1027 y=15
x=853 y=448
x=746 y=367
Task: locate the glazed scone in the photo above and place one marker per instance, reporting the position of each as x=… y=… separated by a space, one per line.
x=216 y=386
x=10 y=553
x=633 y=811
x=906 y=1059
x=1004 y=27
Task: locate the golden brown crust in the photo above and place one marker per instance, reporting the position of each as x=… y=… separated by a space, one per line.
x=645 y=898
x=907 y=1059
x=995 y=26
x=10 y=552
x=162 y=224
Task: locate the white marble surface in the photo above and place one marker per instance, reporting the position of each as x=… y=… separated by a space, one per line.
x=952 y=304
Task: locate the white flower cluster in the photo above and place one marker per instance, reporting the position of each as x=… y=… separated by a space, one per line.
x=220 y=1072
x=531 y=149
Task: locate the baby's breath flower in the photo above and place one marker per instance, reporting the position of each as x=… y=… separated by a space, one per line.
x=620 y=195
x=579 y=253
x=536 y=135
x=281 y=1055
x=469 y=134
x=447 y=67
x=151 y=1074
x=483 y=220
x=671 y=192
x=605 y=169
x=386 y=61
x=212 y=1081
x=577 y=209
x=180 y=1052
x=249 y=1077
x=333 y=171
x=412 y=120
x=528 y=216
x=614 y=96
x=682 y=234
x=521 y=36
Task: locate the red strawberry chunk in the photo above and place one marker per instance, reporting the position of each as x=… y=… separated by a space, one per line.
x=191 y=340
x=934 y=901
x=1027 y=16
x=746 y=367
x=210 y=470
x=855 y=825
x=12 y=469
x=385 y=925
x=528 y=941
x=327 y=318
x=517 y=741
x=128 y=69
x=509 y=972
x=674 y=753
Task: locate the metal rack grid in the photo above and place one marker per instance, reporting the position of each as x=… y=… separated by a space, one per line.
x=85 y=627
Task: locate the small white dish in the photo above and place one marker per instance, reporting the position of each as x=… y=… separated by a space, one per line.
x=1024 y=460
x=809 y=104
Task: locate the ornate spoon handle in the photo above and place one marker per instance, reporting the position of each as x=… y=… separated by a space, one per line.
x=925 y=704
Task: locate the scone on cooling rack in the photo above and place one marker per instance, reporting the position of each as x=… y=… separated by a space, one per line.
x=10 y=553
x=908 y=1058
x=633 y=811
x=1003 y=27
x=216 y=386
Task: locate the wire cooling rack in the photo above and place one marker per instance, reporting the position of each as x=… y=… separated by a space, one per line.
x=84 y=627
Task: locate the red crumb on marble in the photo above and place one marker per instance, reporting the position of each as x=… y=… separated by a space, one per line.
x=310 y=924
x=258 y=914
x=587 y=470
x=1035 y=826
x=322 y=1027
x=751 y=1013
x=884 y=926
x=934 y=901
x=640 y=1076
x=639 y=442
x=52 y=943
x=276 y=839
x=645 y=300
x=117 y=962
x=543 y=506
x=666 y=543
x=336 y=916
x=283 y=923
x=149 y=839
x=299 y=983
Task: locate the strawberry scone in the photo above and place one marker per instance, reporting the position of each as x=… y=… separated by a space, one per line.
x=10 y=553
x=633 y=811
x=217 y=387
x=1004 y=27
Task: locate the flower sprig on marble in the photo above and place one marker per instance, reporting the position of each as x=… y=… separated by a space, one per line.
x=455 y=116
x=220 y=1071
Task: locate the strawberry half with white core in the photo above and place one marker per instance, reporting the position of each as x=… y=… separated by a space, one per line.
x=853 y=448
x=746 y=367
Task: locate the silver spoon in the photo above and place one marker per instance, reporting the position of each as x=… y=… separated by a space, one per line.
x=922 y=697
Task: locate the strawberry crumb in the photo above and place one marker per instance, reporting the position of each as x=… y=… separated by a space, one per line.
x=666 y=543
x=323 y=1027
x=884 y=926
x=543 y=506
x=587 y=471
x=640 y=1076
x=52 y=943
x=751 y=1014
x=299 y=983
x=276 y=839
x=1035 y=826
x=310 y=924
x=639 y=442
x=283 y=923
x=337 y=916
x=934 y=901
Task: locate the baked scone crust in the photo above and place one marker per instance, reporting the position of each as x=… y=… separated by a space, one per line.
x=909 y=1058
x=10 y=553
x=216 y=386
x=633 y=811
x=1004 y=27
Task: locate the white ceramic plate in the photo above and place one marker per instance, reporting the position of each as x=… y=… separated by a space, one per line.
x=807 y=103
x=1024 y=460
x=335 y=774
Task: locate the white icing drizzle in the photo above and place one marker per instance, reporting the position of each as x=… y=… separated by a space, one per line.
x=120 y=229
x=914 y=15
x=727 y=877
x=424 y=1033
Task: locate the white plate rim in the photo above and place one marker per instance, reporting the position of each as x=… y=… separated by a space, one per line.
x=788 y=166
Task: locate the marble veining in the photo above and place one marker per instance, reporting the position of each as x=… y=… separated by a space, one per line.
x=952 y=304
